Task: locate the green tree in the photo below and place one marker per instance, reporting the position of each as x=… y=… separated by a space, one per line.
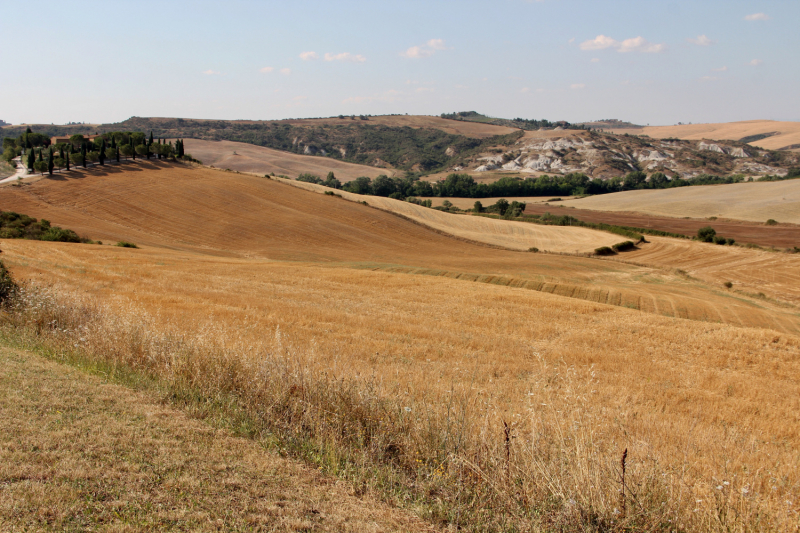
x=76 y=140
x=478 y=207
x=40 y=166
x=126 y=150
x=117 y=154
x=83 y=154
x=67 y=160
x=50 y=163
x=102 y=153
x=141 y=149
x=706 y=234
x=59 y=162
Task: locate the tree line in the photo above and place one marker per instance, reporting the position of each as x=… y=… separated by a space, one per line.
x=40 y=156
x=464 y=186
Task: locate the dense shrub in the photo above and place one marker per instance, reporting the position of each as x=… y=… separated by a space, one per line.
x=706 y=234
x=623 y=246
x=771 y=222
x=604 y=250
x=7 y=285
x=126 y=244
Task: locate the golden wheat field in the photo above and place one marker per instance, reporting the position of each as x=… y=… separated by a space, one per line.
x=756 y=201
x=780 y=134
x=577 y=358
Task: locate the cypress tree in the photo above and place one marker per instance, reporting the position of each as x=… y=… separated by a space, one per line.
x=133 y=149
x=31 y=159
x=113 y=142
x=103 y=153
x=151 y=136
x=83 y=153
x=61 y=153
x=67 y=160
x=117 y=154
x=40 y=155
x=50 y=164
x=29 y=130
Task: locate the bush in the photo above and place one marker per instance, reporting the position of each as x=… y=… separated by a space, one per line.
x=623 y=246
x=60 y=235
x=7 y=285
x=533 y=249
x=604 y=250
x=728 y=284
x=729 y=242
x=706 y=234
x=720 y=240
x=771 y=222
x=126 y=244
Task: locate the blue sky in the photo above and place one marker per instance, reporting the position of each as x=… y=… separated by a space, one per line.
x=656 y=62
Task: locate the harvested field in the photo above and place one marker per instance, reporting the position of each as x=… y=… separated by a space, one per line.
x=780 y=236
x=771 y=273
x=784 y=133
x=512 y=235
x=101 y=456
x=475 y=130
x=756 y=201
x=234 y=215
x=245 y=157
x=603 y=378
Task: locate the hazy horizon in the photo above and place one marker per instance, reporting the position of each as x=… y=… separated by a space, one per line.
x=647 y=63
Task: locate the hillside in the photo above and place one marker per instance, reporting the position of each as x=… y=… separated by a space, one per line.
x=397 y=358
x=245 y=157
x=156 y=204
x=755 y=202
x=767 y=134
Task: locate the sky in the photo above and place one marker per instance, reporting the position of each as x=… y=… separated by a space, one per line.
x=648 y=62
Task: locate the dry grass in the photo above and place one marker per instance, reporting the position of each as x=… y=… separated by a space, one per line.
x=430 y=368
x=259 y=160
x=77 y=453
x=758 y=201
x=789 y=132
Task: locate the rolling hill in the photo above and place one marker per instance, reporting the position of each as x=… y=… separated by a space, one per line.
x=244 y=157
x=769 y=134
x=756 y=202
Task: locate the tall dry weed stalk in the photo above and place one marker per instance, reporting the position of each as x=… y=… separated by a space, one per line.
x=450 y=457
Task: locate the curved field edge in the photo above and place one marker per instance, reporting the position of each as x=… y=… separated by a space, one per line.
x=508 y=234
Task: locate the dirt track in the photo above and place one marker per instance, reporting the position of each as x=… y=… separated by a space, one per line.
x=780 y=236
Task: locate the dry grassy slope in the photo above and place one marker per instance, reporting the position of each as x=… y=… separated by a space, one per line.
x=757 y=202
x=703 y=401
x=788 y=132
x=245 y=157
x=77 y=453
x=513 y=235
x=235 y=215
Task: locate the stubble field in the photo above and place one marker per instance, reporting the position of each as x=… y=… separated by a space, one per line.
x=707 y=409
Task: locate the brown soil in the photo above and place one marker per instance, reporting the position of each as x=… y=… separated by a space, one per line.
x=781 y=236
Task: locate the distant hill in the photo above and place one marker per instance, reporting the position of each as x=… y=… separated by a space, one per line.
x=520 y=123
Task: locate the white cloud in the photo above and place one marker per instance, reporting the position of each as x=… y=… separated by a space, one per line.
x=634 y=44
x=309 y=56
x=300 y=98
x=757 y=16
x=345 y=56
x=701 y=40
x=595 y=60
x=755 y=62
x=720 y=69
x=266 y=70
x=424 y=90
x=571 y=40
x=210 y=72
x=525 y=90
x=425 y=50
x=286 y=71
x=577 y=86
